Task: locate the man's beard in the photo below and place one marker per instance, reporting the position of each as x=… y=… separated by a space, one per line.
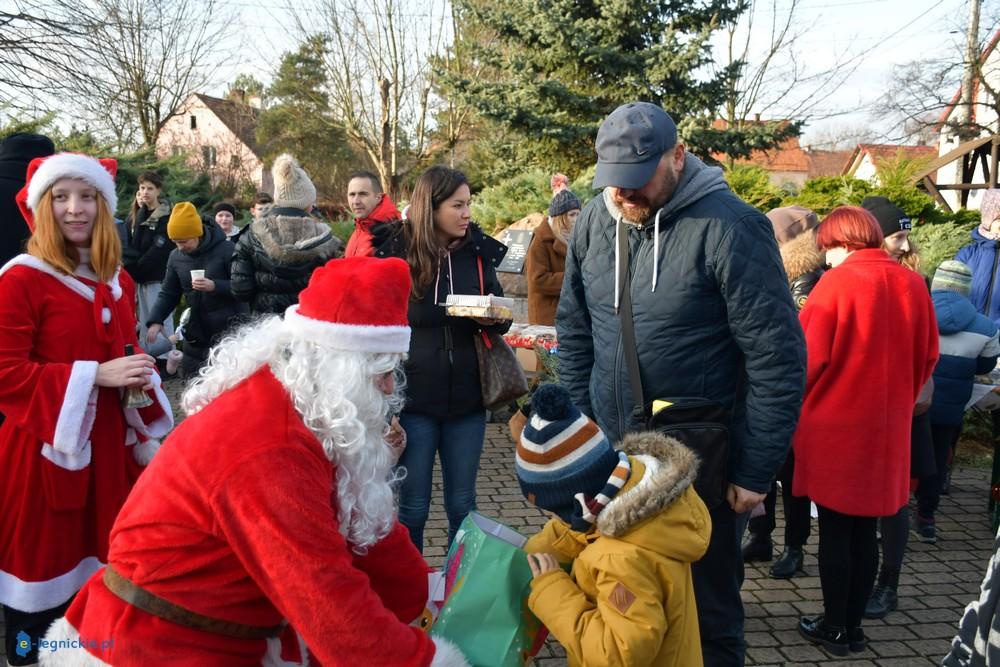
x=643 y=209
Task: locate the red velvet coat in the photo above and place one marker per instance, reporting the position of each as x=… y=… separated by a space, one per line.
x=871 y=340
x=234 y=521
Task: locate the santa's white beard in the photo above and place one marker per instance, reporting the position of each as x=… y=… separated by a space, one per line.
x=335 y=394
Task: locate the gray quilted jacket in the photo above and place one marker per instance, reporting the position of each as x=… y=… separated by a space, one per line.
x=712 y=312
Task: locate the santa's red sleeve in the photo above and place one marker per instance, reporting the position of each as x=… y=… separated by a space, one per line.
x=55 y=402
x=398 y=573
x=274 y=511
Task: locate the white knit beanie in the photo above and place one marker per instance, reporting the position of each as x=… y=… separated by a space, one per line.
x=292 y=187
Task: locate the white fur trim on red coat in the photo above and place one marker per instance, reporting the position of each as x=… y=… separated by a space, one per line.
x=353 y=337
x=144 y=452
x=273 y=656
x=71 y=165
x=81 y=288
x=78 y=411
x=33 y=596
x=447 y=654
x=68 y=653
x=161 y=426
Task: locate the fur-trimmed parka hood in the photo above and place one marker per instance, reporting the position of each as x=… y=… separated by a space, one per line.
x=292 y=239
x=801 y=255
x=653 y=509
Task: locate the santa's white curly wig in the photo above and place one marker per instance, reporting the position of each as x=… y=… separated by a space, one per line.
x=334 y=391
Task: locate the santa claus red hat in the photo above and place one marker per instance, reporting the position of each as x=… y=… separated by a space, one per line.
x=43 y=172
x=357 y=303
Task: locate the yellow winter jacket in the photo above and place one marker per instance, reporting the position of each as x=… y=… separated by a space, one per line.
x=630 y=599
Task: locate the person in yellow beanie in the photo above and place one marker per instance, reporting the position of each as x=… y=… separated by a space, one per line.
x=199 y=269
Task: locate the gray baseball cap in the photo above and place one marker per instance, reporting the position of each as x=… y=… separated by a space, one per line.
x=630 y=143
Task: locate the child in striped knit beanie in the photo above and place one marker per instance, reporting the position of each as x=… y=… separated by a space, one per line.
x=629 y=524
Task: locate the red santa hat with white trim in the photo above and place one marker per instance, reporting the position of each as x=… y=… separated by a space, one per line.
x=43 y=172
x=357 y=304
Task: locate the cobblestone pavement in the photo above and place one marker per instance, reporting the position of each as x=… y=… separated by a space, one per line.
x=936 y=584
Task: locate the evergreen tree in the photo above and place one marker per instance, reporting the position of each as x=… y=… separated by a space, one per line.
x=556 y=68
x=298 y=120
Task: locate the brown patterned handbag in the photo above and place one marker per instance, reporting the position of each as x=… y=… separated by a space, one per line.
x=500 y=374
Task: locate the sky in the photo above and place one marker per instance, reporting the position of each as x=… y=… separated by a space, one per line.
x=887 y=32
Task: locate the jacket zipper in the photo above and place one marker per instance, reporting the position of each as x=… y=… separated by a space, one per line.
x=993 y=277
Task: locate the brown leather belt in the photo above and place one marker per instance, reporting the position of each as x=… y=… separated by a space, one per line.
x=142 y=599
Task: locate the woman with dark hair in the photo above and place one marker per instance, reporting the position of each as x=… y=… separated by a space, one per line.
x=872 y=344
x=70 y=450
x=146 y=251
x=444 y=414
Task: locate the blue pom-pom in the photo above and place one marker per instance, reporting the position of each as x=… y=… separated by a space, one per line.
x=551 y=402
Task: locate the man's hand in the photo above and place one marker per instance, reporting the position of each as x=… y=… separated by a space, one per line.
x=203 y=285
x=743 y=500
x=395 y=437
x=153 y=332
x=541 y=563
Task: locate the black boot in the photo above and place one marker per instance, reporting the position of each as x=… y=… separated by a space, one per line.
x=788 y=563
x=884 y=598
x=831 y=637
x=856 y=640
x=757 y=548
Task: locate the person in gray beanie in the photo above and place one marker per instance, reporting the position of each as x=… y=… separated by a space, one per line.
x=279 y=251
x=546 y=260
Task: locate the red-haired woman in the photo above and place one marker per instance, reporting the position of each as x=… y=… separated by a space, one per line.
x=68 y=448
x=871 y=344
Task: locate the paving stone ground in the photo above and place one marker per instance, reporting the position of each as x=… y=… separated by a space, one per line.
x=936 y=583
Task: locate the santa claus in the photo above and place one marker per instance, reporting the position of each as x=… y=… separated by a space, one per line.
x=265 y=530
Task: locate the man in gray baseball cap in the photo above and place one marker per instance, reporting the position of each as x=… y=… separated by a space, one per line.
x=697 y=271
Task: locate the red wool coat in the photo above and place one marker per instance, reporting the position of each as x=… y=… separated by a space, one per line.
x=234 y=521
x=871 y=340
x=69 y=451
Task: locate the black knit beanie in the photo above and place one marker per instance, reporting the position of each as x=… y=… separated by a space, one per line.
x=890 y=217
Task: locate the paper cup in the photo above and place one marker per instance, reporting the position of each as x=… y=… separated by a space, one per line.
x=197 y=273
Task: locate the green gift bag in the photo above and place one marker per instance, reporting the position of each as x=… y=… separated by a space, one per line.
x=487 y=583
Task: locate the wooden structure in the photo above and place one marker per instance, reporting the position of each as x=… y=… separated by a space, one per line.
x=982 y=151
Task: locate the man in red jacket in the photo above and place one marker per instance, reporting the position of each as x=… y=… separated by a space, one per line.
x=370 y=206
x=266 y=530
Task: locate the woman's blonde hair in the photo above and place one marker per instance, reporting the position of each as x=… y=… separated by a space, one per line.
x=49 y=244
x=911 y=258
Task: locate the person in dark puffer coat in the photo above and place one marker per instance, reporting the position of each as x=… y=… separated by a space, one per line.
x=201 y=244
x=444 y=414
x=795 y=232
x=277 y=254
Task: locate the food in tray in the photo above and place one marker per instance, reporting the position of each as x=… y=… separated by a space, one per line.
x=475 y=305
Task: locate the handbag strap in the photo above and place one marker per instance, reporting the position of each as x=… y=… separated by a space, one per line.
x=627 y=324
x=485 y=336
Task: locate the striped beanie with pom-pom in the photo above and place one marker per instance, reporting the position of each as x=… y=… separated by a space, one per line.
x=565 y=464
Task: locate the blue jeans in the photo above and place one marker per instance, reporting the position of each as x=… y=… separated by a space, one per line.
x=459 y=443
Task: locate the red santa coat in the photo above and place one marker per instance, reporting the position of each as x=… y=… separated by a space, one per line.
x=233 y=520
x=871 y=341
x=69 y=450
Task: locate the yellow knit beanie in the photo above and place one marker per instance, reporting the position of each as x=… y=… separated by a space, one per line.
x=184 y=223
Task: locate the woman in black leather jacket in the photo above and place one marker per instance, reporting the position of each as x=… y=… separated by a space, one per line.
x=444 y=412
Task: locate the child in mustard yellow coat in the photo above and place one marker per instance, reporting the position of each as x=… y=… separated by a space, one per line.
x=629 y=523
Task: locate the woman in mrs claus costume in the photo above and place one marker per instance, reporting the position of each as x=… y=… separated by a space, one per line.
x=69 y=451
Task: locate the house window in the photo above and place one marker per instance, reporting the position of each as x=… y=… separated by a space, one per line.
x=194 y=122
x=234 y=161
x=209 y=155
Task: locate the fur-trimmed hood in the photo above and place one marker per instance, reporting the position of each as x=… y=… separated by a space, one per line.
x=801 y=255
x=290 y=239
x=652 y=509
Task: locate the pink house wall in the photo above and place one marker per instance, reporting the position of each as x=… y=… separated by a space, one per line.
x=234 y=161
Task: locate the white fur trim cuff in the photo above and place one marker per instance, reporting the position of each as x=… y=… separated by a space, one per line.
x=69 y=651
x=144 y=452
x=71 y=165
x=447 y=654
x=79 y=409
x=33 y=596
x=351 y=337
